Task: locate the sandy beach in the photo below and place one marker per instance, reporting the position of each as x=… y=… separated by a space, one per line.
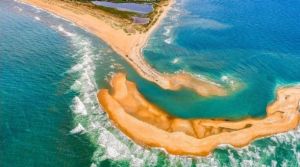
x=128 y=45
x=134 y=115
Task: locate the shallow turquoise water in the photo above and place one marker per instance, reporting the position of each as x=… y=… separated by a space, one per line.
x=255 y=44
x=50 y=72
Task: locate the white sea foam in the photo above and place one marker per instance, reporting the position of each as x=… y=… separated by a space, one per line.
x=167 y=30
x=180 y=161
x=93 y=165
x=85 y=66
x=78 y=106
x=86 y=103
x=112 y=66
x=76 y=85
x=60 y=28
x=233 y=161
x=231 y=82
x=168 y=40
x=224 y=78
x=175 y=61
x=137 y=162
x=114 y=148
x=19 y=8
x=76 y=68
x=37 y=18
x=78 y=129
x=172 y=21
x=115 y=66
x=37 y=9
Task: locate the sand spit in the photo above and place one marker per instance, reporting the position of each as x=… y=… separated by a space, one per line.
x=115 y=33
x=148 y=125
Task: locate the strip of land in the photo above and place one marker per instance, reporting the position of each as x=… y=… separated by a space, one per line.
x=146 y=123
x=150 y=126
x=127 y=41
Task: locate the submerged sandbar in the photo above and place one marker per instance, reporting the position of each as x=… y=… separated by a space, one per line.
x=150 y=126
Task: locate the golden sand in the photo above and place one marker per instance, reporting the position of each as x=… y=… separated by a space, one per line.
x=148 y=125
x=129 y=46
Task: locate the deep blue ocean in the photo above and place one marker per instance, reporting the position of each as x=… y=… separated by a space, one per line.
x=50 y=71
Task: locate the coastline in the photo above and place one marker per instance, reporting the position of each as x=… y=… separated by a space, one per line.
x=130 y=46
x=134 y=115
x=193 y=137
x=110 y=144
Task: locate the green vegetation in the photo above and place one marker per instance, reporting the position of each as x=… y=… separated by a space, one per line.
x=126 y=16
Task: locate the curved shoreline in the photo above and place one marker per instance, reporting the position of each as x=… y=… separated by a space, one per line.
x=130 y=46
x=150 y=126
x=177 y=136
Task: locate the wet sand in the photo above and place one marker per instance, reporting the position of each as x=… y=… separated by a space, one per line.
x=150 y=126
x=114 y=32
x=147 y=124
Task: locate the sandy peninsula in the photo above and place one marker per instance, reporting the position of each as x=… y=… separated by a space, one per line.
x=127 y=42
x=150 y=126
x=146 y=123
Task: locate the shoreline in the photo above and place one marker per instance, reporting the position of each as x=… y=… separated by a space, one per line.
x=134 y=115
x=193 y=137
x=130 y=46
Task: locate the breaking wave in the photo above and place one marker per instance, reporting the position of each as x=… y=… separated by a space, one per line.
x=172 y=21
x=175 y=60
x=113 y=145
x=89 y=117
x=37 y=18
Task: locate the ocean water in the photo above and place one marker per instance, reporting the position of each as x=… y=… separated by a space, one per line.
x=249 y=46
x=50 y=71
